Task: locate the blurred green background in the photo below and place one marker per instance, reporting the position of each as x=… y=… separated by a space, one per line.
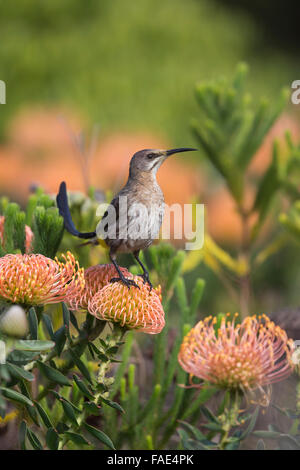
x=132 y=65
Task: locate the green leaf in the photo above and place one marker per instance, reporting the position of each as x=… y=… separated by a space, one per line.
x=69 y=411
x=209 y=415
x=213 y=426
x=83 y=388
x=193 y=444
x=33 y=323
x=60 y=339
x=233 y=443
x=61 y=427
x=30 y=409
x=66 y=315
x=267 y=434
x=34 y=440
x=100 y=435
x=19 y=372
x=21 y=357
x=15 y=396
x=251 y=425
x=61 y=398
x=81 y=366
x=92 y=408
x=260 y=445
x=22 y=435
x=113 y=404
x=53 y=375
x=77 y=438
x=43 y=414
x=48 y=325
x=73 y=320
x=52 y=439
x=196 y=433
x=31 y=345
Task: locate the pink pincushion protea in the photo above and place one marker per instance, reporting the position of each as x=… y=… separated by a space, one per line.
x=37 y=280
x=244 y=356
x=28 y=235
x=134 y=308
x=96 y=277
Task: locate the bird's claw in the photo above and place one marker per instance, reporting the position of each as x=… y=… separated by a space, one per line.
x=127 y=282
x=146 y=279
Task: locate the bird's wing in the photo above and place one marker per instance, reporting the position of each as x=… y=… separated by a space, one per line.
x=63 y=207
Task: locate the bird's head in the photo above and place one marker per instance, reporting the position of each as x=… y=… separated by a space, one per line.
x=149 y=160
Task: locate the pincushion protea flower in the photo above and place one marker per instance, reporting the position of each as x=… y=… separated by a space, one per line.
x=37 y=280
x=244 y=356
x=28 y=235
x=96 y=277
x=134 y=308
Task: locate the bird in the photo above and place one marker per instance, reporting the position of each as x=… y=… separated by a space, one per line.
x=121 y=225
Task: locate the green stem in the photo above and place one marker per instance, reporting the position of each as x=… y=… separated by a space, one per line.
x=116 y=337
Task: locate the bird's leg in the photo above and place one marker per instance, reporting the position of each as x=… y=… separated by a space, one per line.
x=127 y=282
x=145 y=275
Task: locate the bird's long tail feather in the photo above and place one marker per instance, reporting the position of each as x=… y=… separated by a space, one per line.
x=63 y=207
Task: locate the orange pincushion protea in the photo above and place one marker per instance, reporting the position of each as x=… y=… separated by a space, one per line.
x=96 y=277
x=37 y=280
x=134 y=308
x=28 y=235
x=243 y=356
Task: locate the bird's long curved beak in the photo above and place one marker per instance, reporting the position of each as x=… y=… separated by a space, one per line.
x=181 y=149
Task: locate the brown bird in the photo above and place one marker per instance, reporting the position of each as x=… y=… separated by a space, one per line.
x=134 y=217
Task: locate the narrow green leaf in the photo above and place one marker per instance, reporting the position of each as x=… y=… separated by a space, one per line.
x=260 y=445
x=92 y=408
x=77 y=438
x=83 y=388
x=15 y=396
x=52 y=439
x=196 y=433
x=19 y=372
x=209 y=415
x=100 y=435
x=60 y=339
x=267 y=434
x=34 y=440
x=66 y=315
x=31 y=345
x=53 y=375
x=73 y=320
x=22 y=435
x=251 y=425
x=43 y=414
x=48 y=325
x=113 y=404
x=33 y=323
x=69 y=411
x=81 y=366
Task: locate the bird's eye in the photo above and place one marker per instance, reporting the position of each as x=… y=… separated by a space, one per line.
x=151 y=155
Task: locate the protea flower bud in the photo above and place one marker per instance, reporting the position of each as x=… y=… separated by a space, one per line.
x=13 y=322
x=96 y=277
x=134 y=308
